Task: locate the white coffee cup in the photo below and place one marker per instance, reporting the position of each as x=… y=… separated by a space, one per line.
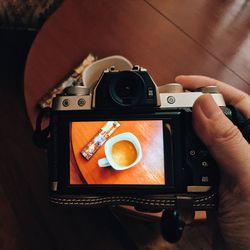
x=109 y=161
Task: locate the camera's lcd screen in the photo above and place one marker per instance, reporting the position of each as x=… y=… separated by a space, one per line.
x=117 y=152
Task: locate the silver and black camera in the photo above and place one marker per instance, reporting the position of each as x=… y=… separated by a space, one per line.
x=127 y=139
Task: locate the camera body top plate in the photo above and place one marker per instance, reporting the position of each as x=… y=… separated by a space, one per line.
x=127 y=89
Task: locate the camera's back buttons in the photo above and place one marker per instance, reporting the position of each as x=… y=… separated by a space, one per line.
x=150 y=92
x=192 y=152
x=81 y=102
x=204 y=164
x=170 y=99
x=65 y=102
x=204 y=179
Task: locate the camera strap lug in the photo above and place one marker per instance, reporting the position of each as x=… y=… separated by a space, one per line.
x=185 y=207
x=174 y=221
x=41 y=136
x=54 y=185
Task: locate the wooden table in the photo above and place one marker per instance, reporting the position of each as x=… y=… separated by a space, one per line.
x=166 y=37
x=142 y=32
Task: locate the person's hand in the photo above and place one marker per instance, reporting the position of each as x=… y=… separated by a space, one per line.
x=232 y=153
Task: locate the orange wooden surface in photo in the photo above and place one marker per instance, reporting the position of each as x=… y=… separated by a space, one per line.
x=150 y=170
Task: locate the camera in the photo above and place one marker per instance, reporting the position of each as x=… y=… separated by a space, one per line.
x=125 y=139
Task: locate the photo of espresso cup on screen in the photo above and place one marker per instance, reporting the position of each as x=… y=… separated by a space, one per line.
x=123 y=151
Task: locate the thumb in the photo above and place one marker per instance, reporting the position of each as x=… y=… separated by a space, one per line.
x=222 y=138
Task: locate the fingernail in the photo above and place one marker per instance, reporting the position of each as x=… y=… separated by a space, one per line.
x=179 y=76
x=208 y=106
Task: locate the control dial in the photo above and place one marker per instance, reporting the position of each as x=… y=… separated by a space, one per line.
x=209 y=89
x=171 y=88
x=77 y=90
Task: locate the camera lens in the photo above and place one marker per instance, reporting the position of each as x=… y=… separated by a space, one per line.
x=127 y=89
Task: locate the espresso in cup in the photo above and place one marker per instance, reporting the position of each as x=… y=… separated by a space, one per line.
x=124 y=153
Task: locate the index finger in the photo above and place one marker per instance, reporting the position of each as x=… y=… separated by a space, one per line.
x=235 y=97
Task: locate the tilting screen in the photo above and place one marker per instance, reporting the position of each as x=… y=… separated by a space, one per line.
x=117 y=152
